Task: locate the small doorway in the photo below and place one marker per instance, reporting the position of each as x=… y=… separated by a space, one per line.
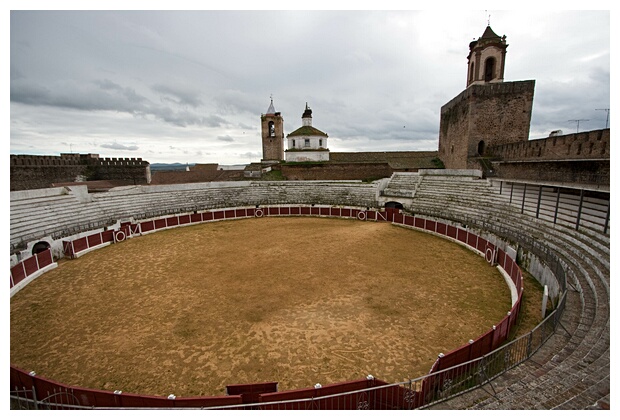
x=40 y=247
x=481 y=148
x=393 y=207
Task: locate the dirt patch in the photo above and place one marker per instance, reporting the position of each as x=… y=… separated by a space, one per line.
x=294 y=300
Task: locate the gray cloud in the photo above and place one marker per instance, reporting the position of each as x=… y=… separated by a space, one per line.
x=117 y=146
x=177 y=95
x=199 y=79
x=250 y=155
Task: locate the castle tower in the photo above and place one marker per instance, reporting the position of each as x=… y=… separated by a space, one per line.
x=486 y=59
x=272 y=133
x=488 y=112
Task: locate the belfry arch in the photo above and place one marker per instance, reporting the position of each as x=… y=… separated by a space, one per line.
x=489 y=69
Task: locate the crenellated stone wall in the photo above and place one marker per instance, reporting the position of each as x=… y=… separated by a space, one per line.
x=577 y=158
x=33 y=171
x=586 y=145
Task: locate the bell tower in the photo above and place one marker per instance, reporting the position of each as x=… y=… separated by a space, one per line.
x=272 y=133
x=489 y=112
x=486 y=59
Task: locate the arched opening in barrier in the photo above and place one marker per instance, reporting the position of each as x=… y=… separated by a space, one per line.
x=394 y=205
x=40 y=247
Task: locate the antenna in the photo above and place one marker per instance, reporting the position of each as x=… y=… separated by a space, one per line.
x=577 y=121
x=607 y=120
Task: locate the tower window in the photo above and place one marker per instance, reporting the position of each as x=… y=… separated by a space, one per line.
x=471 y=73
x=272 y=129
x=320 y=142
x=489 y=69
x=293 y=144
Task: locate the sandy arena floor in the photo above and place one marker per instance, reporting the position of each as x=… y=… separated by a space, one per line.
x=295 y=300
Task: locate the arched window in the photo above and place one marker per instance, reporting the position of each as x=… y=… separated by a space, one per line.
x=489 y=69
x=481 y=147
x=272 y=129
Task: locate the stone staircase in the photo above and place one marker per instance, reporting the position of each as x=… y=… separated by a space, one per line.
x=402 y=185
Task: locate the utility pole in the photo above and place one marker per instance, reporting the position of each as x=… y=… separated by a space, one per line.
x=577 y=121
x=607 y=120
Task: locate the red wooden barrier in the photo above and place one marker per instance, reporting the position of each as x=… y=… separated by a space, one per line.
x=401 y=397
x=17 y=273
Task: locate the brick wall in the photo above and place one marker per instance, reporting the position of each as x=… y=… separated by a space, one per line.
x=202 y=175
x=336 y=171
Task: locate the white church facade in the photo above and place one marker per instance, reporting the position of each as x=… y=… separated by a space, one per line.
x=305 y=144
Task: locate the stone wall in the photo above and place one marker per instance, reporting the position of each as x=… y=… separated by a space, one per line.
x=589 y=172
x=483 y=116
x=336 y=171
x=33 y=172
x=129 y=169
x=198 y=175
x=586 y=145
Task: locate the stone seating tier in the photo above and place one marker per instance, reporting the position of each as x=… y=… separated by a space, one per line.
x=572 y=370
x=557 y=380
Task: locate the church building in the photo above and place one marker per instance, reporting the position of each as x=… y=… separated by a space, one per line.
x=307 y=144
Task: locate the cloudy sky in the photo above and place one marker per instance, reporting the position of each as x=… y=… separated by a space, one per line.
x=190 y=86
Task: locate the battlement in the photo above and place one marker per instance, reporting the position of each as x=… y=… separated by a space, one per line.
x=586 y=145
x=122 y=162
x=34 y=171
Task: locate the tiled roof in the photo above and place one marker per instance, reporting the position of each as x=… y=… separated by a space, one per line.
x=489 y=34
x=307 y=130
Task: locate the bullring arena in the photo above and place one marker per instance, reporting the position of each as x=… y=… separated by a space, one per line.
x=562 y=362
